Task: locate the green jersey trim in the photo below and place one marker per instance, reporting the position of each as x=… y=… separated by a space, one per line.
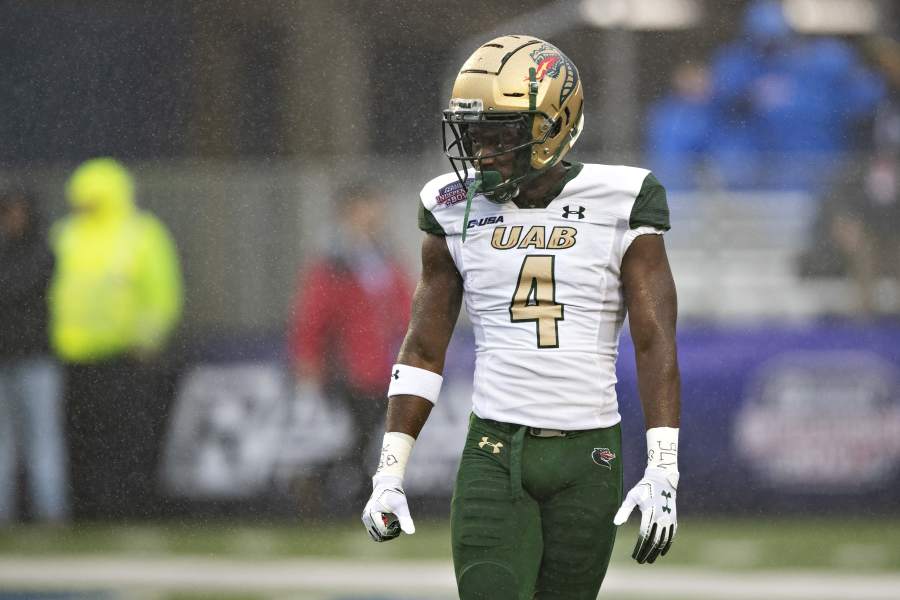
x=650 y=207
x=428 y=223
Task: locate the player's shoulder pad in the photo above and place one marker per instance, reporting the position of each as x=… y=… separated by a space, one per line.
x=442 y=205
x=629 y=193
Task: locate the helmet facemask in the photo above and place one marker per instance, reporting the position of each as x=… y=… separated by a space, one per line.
x=497 y=146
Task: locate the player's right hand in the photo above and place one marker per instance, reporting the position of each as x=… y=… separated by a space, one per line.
x=386 y=513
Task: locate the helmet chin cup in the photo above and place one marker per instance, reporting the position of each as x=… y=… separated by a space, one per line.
x=503 y=194
x=490 y=184
x=489 y=180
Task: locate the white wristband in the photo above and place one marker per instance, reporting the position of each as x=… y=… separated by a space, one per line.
x=415 y=382
x=662 y=448
x=395 y=451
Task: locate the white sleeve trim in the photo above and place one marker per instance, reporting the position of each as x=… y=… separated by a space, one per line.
x=633 y=234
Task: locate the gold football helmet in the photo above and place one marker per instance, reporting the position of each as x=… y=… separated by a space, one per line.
x=516 y=94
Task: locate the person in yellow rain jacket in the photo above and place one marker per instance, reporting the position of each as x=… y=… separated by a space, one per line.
x=115 y=299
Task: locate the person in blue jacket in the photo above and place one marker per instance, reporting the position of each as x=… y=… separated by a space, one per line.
x=679 y=129
x=786 y=106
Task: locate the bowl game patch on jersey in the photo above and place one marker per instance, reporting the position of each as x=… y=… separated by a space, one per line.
x=451 y=194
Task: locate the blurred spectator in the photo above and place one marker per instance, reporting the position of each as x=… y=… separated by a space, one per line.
x=786 y=105
x=115 y=298
x=679 y=128
x=885 y=53
x=856 y=234
x=30 y=384
x=350 y=314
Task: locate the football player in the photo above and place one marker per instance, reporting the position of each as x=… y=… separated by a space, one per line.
x=549 y=256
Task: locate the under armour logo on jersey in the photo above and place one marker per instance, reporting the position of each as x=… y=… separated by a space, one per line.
x=568 y=211
x=667 y=496
x=494 y=445
x=396 y=374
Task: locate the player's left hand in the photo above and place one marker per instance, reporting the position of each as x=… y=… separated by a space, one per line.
x=654 y=495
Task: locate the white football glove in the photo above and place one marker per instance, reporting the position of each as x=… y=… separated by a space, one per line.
x=654 y=495
x=386 y=513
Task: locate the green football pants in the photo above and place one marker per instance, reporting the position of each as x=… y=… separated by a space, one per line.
x=531 y=516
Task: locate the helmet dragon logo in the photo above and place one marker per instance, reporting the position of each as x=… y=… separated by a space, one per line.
x=549 y=62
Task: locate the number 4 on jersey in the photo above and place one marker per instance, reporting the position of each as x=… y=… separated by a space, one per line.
x=535 y=299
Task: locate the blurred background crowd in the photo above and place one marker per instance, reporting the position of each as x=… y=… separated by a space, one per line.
x=208 y=243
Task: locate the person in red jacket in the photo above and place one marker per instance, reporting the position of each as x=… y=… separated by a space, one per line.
x=349 y=316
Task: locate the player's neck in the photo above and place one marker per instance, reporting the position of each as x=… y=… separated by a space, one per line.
x=537 y=193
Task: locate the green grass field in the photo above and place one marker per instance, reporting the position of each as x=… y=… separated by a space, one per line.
x=253 y=555
x=871 y=545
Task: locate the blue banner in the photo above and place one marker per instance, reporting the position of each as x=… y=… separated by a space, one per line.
x=780 y=419
x=775 y=419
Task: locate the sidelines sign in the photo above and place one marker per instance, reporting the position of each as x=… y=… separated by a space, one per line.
x=776 y=419
x=225 y=432
x=827 y=420
x=242 y=429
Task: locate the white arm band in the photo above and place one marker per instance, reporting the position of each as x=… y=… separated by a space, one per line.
x=395 y=451
x=662 y=448
x=415 y=382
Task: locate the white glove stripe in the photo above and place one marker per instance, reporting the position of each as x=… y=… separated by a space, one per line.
x=647 y=519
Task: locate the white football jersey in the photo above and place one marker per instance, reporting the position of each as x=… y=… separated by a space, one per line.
x=542 y=289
